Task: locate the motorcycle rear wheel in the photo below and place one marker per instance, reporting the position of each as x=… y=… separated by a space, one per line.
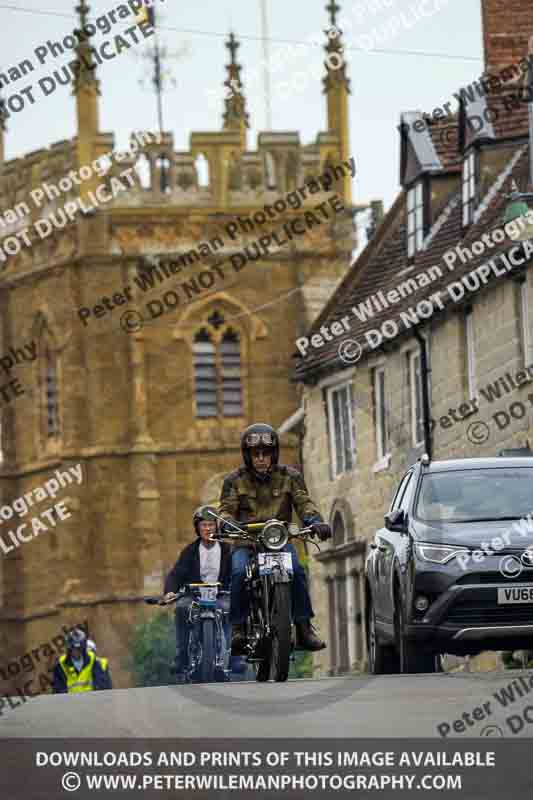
x=281 y=632
x=207 y=666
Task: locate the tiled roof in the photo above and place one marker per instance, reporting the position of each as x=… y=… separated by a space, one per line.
x=384 y=264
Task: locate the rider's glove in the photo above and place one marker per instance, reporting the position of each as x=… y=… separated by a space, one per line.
x=322 y=530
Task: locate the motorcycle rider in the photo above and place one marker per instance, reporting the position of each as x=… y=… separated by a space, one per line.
x=261 y=490
x=79 y=670
x=202 y=561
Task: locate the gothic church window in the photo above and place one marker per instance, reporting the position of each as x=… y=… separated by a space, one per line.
x=230 y=362
x=205 y=375
x=217 y=370
x=51 y=394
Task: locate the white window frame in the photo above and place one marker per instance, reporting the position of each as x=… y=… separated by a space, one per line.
x=383 y=453
x=415 y=219
x=413 y=355
x=524 y=321
x=468 y=187
x=331 y=424
x=471 y=355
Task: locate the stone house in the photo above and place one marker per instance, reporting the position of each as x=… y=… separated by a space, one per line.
x=152 y=413
x=429 y=287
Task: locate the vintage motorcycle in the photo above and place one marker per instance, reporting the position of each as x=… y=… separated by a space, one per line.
x=208 y=650
x=268 y=582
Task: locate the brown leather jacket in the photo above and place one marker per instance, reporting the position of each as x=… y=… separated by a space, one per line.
x=245 y=499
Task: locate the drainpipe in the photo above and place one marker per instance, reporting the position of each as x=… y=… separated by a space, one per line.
x=428 y=444
x=530 y=114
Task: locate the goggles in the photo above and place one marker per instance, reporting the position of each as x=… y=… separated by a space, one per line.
x=256 y=439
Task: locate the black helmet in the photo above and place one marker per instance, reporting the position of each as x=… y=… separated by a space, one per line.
x=259 y=435
x=76 y=638
x=202 y=515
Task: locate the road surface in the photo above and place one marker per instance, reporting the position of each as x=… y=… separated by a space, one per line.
x=396 y=705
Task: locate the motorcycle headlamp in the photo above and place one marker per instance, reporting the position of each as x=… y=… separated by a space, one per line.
x=275 y=535
x=436 y=553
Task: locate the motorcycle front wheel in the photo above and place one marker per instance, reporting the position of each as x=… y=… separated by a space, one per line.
x=281 y=632
x=207 y=665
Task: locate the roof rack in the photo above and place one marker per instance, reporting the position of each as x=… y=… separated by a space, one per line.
x=424 y=460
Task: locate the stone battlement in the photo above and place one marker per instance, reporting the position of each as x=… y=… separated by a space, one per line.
x=215 y=170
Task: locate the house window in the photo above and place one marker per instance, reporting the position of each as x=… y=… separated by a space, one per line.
x=415 y=394
x=415 y=219
x=470 y=355
x=381 y=414
x=469 y=187
x=342 y=442
x=217 y=370
x=524 y=322
x=51 y=394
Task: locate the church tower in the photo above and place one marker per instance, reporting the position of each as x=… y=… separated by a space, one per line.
x=163 y=323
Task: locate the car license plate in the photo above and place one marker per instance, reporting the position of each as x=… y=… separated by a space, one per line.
x=267 y=561
x=515 y=595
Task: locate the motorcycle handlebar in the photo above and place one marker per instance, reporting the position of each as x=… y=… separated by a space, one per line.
x=255 y=525
x=160 y=600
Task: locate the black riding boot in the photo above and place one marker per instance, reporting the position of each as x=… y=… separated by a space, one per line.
x=238 y=639
x=306 y=638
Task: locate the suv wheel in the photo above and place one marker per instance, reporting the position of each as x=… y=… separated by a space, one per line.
x=411 y=660
x=381 y=660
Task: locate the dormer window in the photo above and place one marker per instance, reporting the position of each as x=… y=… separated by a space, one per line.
x=415 y=219
x=469 y=187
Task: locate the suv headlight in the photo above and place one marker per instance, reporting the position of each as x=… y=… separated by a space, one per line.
x=438 y=553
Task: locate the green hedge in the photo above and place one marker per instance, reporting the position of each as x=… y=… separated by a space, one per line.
x=152 y=651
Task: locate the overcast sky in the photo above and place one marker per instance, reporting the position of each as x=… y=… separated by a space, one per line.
x=383 y=84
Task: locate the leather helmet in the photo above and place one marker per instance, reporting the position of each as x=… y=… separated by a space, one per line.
x=202 y=515
x=262 y=436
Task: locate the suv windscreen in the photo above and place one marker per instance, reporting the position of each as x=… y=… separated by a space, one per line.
x=475 y=495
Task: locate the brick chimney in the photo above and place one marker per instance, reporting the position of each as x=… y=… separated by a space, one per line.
x=507 y=28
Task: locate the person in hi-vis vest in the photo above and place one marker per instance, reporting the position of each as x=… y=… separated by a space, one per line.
x=91 y=645
x=79 y=670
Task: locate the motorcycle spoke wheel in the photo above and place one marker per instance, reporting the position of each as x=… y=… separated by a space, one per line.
x=207 y=664
x=262 y=670
x=281 y=633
